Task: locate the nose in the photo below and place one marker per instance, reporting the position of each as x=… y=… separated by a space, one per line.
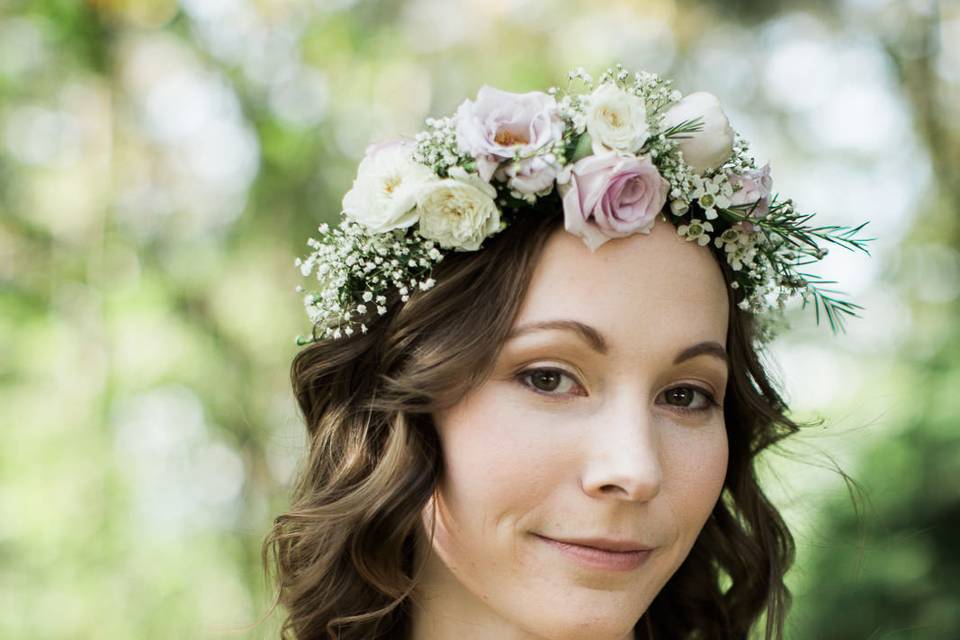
x=623 y=455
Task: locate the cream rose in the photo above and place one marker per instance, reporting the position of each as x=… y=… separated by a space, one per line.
x=616 y=120
x=459 y=211
x=384 y=193
x=711 y=146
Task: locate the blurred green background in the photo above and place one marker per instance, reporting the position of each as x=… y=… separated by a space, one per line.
x=162 y=163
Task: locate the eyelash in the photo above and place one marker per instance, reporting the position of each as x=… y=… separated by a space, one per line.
x=524 y=375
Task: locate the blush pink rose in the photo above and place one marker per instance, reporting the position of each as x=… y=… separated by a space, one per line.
x=501 y=124
x=612 y=195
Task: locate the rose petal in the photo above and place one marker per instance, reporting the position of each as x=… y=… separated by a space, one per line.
x=574 y=221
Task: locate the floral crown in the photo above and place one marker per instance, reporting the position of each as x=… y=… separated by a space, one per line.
x=613 y=159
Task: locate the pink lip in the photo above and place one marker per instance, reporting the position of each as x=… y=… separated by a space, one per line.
x=599 y=558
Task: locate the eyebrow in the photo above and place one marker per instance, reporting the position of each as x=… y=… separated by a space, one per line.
x=598 y=343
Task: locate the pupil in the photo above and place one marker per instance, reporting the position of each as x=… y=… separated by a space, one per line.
x=680 y=394
x=551 y=378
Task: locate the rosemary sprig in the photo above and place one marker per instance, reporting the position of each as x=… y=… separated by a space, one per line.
x=835 y=309
x=787 y=223
x=687 y=126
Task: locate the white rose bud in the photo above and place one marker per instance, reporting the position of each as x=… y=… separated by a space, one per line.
x=711 y=146
x=616 y=120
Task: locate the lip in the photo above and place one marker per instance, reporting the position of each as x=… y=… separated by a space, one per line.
x=604 y=544
x=630 y=556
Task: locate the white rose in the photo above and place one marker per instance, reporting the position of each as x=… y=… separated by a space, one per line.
x=384 y=193
x=459 y=211
x=616 y=120
x=711 y=146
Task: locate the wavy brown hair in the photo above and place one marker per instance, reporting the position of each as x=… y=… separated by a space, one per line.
x=343 y=555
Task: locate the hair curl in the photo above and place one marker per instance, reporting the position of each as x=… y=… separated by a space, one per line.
x=343 y=555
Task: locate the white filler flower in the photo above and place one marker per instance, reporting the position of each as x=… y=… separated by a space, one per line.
x=459 y=211
x=384 y=193
x=616 y=120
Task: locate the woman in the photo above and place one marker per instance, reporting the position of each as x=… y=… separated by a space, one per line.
x=548 y=430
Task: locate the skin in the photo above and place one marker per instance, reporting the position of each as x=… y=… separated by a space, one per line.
x=597 y=450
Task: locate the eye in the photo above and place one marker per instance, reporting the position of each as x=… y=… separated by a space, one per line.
x=682 y=399
x=551 y=381
x=548 y=381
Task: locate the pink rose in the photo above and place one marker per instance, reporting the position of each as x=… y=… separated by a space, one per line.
x=500 y=124
x=611 y=196
x=755 y=186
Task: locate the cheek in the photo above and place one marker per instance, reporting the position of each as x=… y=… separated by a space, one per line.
x=489 y=492
x=697 y=465
x=488 y=479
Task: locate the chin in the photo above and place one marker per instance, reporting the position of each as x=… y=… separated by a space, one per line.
x=558 y=622
x=603 y=629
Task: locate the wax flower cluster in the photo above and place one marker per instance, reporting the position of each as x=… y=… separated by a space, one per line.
x=627 y=150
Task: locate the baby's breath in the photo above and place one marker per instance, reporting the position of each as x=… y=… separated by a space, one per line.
x=349 y=265
x=437 y=146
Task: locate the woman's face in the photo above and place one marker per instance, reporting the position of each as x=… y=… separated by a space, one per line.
x=598 y=422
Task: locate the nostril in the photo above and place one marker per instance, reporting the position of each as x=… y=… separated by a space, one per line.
x=612 y=488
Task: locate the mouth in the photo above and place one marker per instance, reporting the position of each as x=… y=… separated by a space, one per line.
x=628 y=557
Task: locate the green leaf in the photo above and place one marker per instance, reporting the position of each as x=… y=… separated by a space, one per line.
x=583 y=149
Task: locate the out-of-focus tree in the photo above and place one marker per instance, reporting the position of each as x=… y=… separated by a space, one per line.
x=162 y=162
x=894 y=571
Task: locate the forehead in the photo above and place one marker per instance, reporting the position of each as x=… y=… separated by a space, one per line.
x=640 y=290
